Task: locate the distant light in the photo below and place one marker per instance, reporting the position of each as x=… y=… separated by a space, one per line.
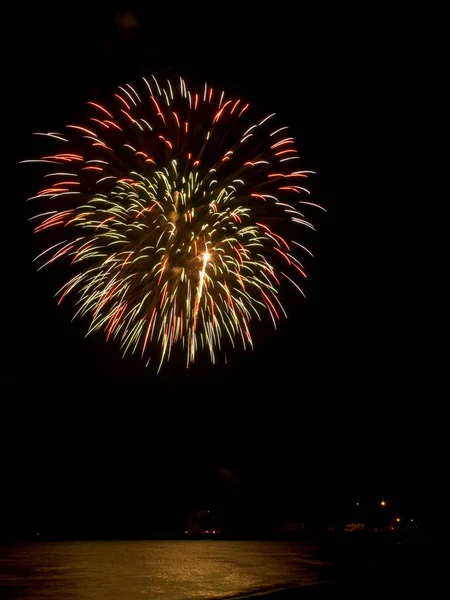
x=383 y=503
x=398 y=519
x=412 y=520
x=357 y=504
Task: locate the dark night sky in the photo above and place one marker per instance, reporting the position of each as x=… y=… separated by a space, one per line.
x=327 y=409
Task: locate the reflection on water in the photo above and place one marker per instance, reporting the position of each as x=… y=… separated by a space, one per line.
x=166 y=570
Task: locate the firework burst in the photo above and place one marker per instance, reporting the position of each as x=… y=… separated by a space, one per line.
x=167 y=202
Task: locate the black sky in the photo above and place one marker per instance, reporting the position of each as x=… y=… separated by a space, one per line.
x=333 y=406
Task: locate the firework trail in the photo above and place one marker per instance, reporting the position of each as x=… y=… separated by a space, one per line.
x=167 y=202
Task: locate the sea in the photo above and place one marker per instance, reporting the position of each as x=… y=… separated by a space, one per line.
x=157 y=570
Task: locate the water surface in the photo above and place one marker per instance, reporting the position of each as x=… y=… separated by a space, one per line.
x=157 y=570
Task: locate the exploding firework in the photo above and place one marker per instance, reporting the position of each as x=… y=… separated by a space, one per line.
x=168 y=204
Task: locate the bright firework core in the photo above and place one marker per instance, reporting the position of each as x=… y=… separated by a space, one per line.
x=168 y=202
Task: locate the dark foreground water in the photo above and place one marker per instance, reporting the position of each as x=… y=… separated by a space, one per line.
x=156 y=570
